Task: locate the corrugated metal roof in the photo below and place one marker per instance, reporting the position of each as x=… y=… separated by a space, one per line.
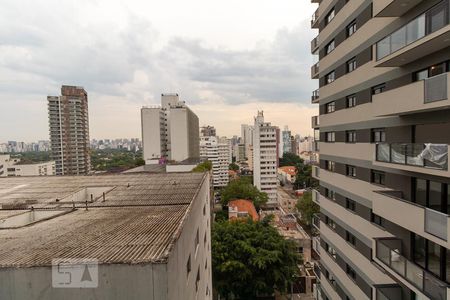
x=136 y=224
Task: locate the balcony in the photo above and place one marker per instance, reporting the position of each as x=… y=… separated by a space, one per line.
x=315 y=19
x=315 y=122
x=315 y=71
x=433 y=156
x=315 y=96
x=393 y=8
x=316 y=247
x=316 y=222
x=388 y=292
x=422 y=36
x=314 y=45
x=417 y=218
x=426 y=95
x=316 y=174
x=316 y=147
x=389 y=251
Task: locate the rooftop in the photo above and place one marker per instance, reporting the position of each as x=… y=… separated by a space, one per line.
x=137 y=221
x=288 y=170
x=244 y=206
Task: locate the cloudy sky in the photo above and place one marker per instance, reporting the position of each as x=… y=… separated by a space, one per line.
x=226 y=59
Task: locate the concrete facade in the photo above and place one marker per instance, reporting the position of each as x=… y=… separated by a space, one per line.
x=217 y=151
x=383 y=70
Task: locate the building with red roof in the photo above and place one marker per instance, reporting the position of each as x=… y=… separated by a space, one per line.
x=242 y=209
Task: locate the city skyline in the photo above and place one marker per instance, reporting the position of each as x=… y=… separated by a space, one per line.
x=232 y=69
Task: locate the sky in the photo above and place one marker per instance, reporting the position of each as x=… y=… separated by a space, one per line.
x=226 y=59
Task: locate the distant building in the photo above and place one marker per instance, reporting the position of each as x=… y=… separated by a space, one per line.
x=208 y=131
x=246 y=138
x=147 y=236
x=265 y=157
x=286 y=140
x=218 y=154
x=287 y=174
x=170 y=131
x=242 y=209
x=10 y=167
x=69 y=131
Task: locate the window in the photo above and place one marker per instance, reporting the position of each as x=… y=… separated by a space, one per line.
x=376 y=219
x=188 y=266
x=330 y=165
x=350 y=136
x=330 y=77
x=204 y=210
x=329 y=47
x=350 y=272
x=351 y=28
x=351 y=65
x=430 y=71
x=330 y=223
x=330 y=251
x=350 y=204
x=378 y=135
x=204 y=239
x=197 y=280
x=197 y=241
x=378 y=89
x=349 y=237
x=378 y=177
x=351 y=101
x=330 y=137
x=351 y=171
x=330 y=16
x=331 y=107
x=330 y=194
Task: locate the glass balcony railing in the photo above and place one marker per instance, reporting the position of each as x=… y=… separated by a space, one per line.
x=389 y=251
x=315 y=95
x=315 y=121
x=432 y=20
x=316 y=221
x=314 y=17
x=420 y=155
x=388 y=292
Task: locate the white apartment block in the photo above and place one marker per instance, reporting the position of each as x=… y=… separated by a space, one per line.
x=265 y=158
x=217 y=151
x=170 y=131
x=11 y=167
x=247 y=137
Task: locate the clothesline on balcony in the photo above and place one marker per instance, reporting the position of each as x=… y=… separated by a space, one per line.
x=434 y=153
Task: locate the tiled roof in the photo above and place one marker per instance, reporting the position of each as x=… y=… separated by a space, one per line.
x=245 y=206
x=289 y=170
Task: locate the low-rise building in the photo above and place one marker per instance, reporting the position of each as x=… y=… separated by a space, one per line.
x=11 y=167
x=242 y=209
x=287 y=174
x=138 y=236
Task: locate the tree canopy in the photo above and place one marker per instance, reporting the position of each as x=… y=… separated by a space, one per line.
x=115 y=160
x=203 y=167
x=290 y=159
x=243 y=189
x=234 y=167
x=303 y=178
x=251 y=259
x=307 y=207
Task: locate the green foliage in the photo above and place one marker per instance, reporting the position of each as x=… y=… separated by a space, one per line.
x=251 y=259
x=307 y=207
x=205 y=166
x=303 y=178
x=115 y=160
x=221 y=216
x=32 y=157
x=290 y=159
x=234 y=167
x=243 y=189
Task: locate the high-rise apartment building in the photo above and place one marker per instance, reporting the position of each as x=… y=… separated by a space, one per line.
x=217 y=151
x=384 y=126
x=286 y=141
x=170 y=131
x=265 y=157
x=207 y=131
x=69 y=131
x=247 y=137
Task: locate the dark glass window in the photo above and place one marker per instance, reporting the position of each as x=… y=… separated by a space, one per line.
x=330 y=194
x=378 y=135
x=349 y=237
x=378 y=177
x=331 y=107
x=188 y=266
x=351 y=101
x=350 y=272
x=350 y=136
x=421 y=192
x=329 y=16
x=374 y=218
x=330 y=165
x=437 y=17
x=330 y=223
x=350 y=204
x=378 y=89
x=329 y=47
x=331 y=251
x=351 y=28
x=351 y=65
x=330 y=137
x=330 y=77
x=351 y=171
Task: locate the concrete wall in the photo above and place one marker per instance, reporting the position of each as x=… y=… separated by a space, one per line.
x=151 y=133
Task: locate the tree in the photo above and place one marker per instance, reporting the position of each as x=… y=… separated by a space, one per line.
x=205 y=166
x=243 y=189
x=303 y=178
x=307 y=207
x=234 y=167
x=251 y=259
x=290 y=159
